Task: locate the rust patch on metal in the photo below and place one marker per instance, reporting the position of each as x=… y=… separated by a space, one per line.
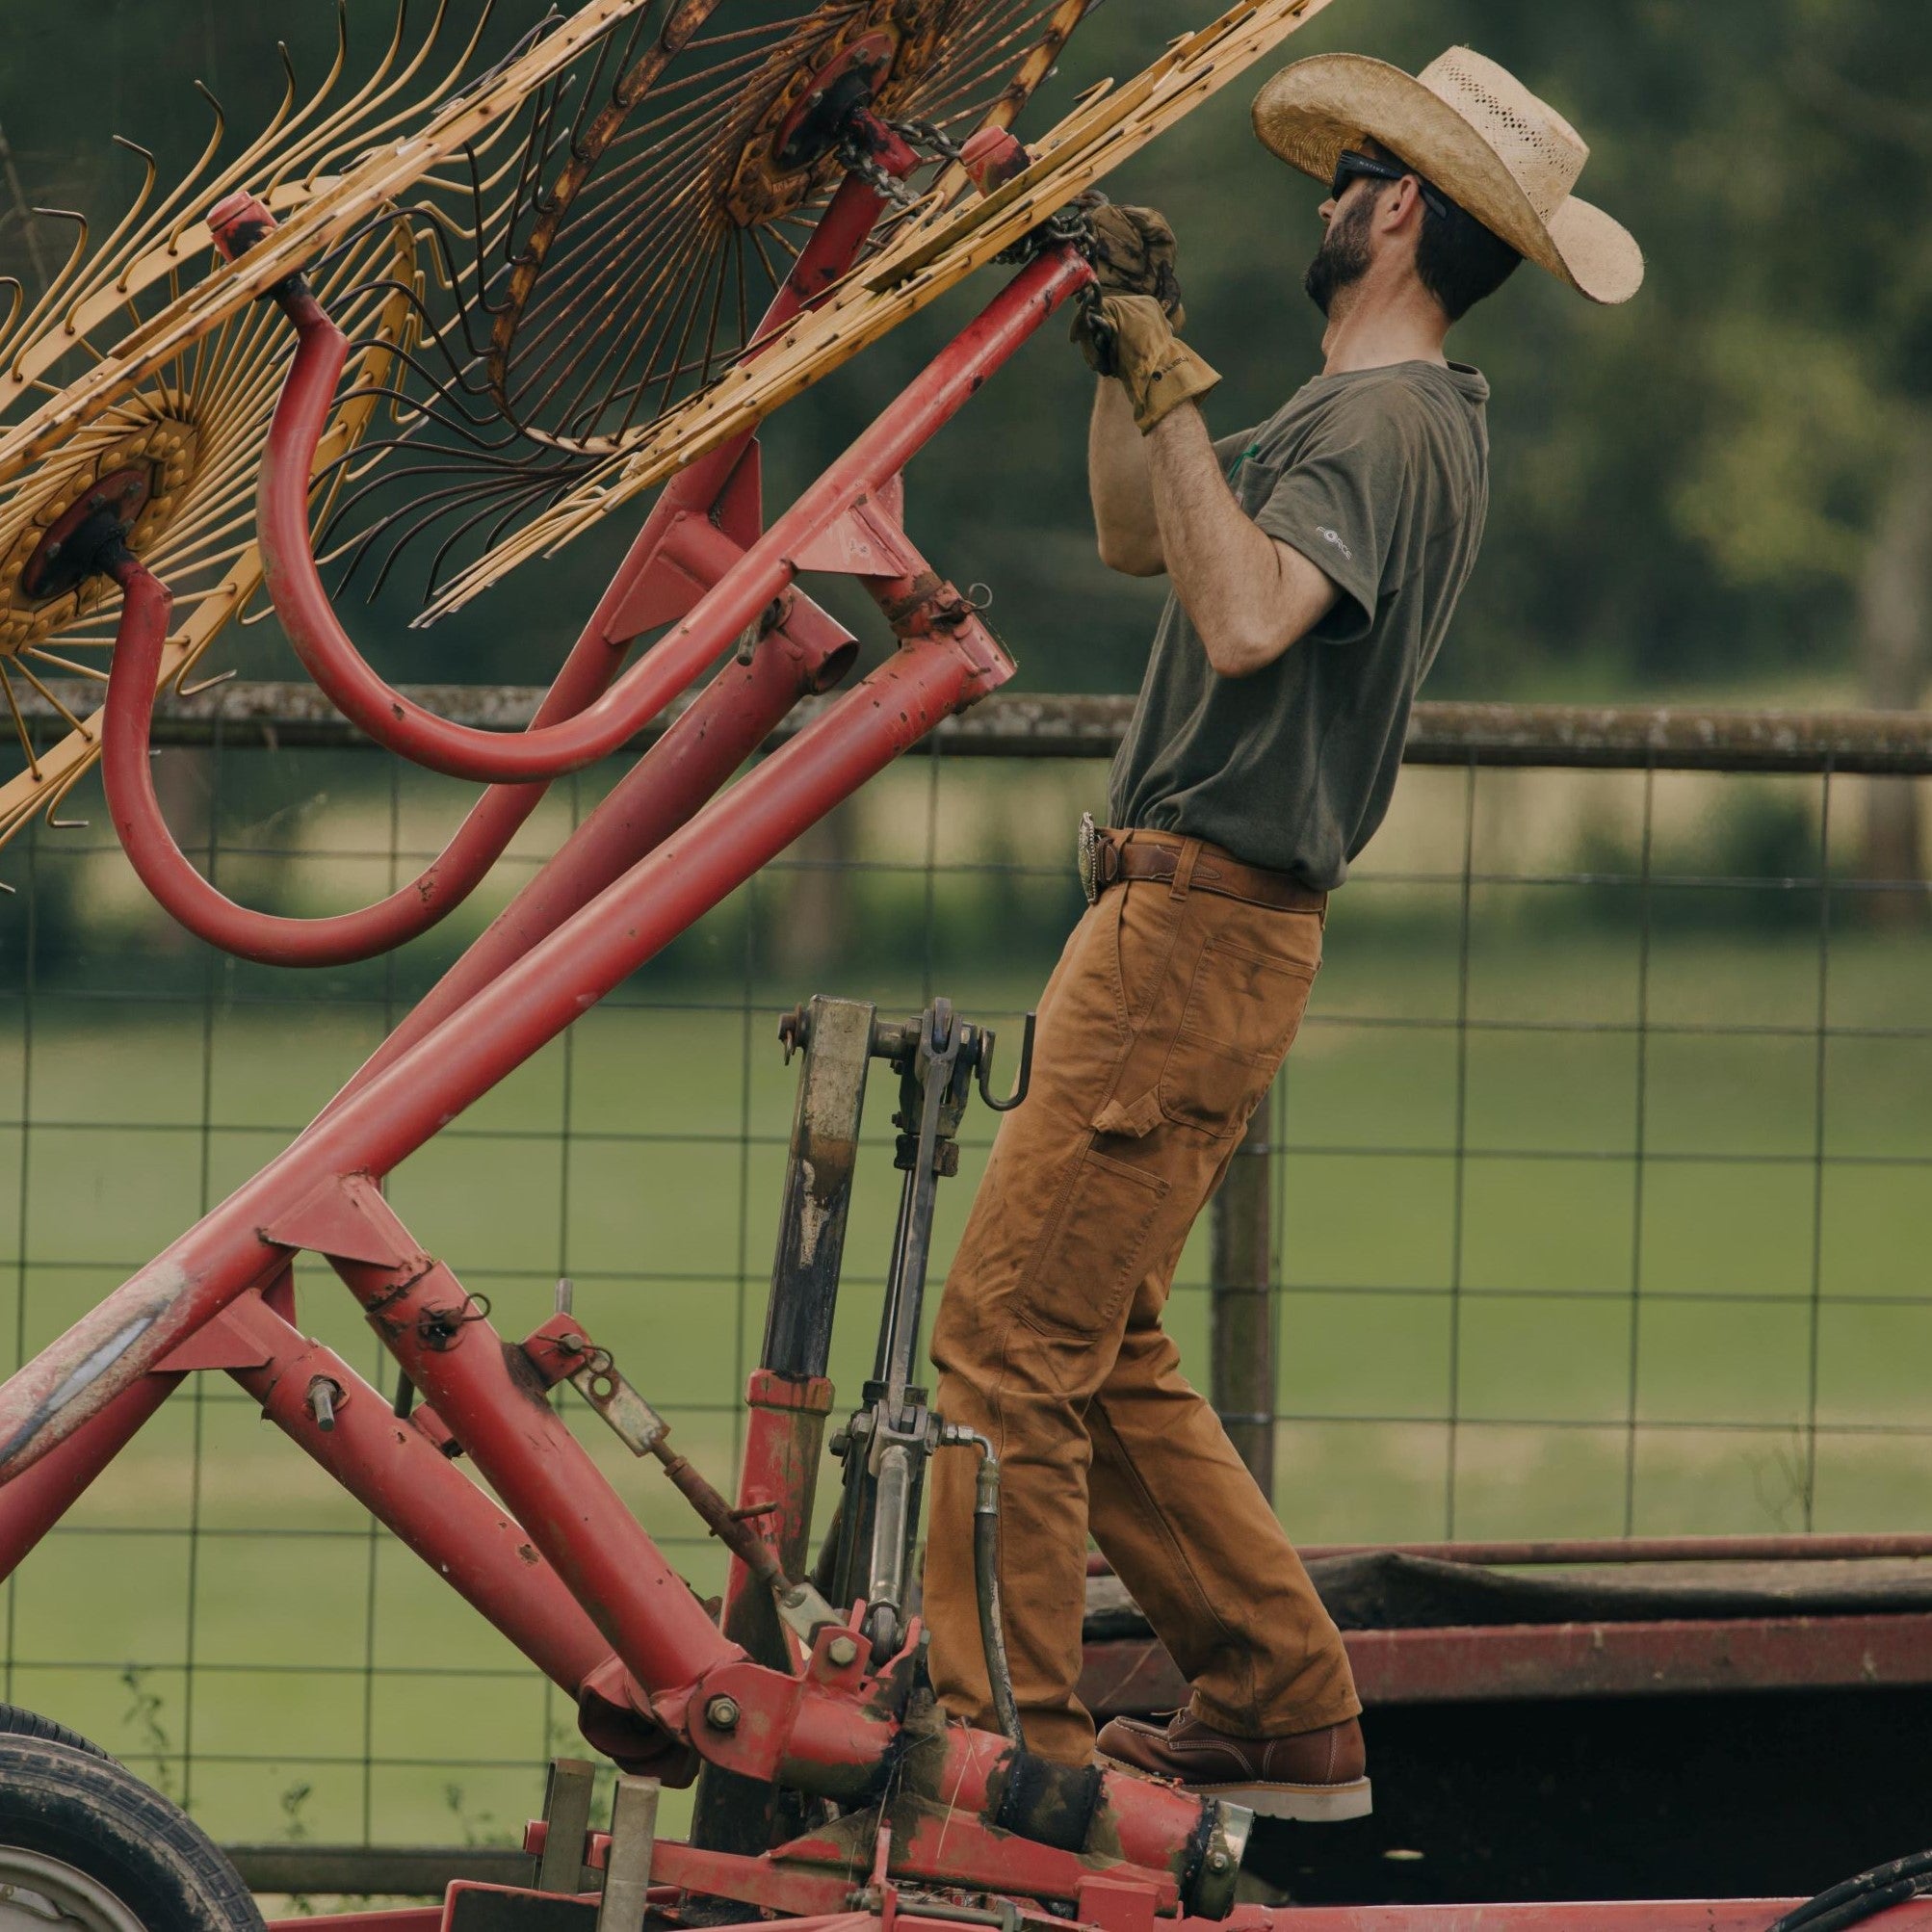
x=98 y=1357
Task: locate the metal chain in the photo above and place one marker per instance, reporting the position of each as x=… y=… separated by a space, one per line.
x=855 y=160
x=930 y=135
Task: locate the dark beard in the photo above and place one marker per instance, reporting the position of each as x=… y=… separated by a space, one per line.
x=1342 y=259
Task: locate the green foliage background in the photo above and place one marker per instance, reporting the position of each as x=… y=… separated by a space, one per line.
x=1686 y=489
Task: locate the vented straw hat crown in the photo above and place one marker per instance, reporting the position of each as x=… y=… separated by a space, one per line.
x=1479 y=134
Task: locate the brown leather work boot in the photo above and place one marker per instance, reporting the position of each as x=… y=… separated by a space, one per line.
x=1316 y=1776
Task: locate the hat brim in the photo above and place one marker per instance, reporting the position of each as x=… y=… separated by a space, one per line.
x=1313 y=109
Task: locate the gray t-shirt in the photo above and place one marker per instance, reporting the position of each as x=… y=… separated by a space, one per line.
x=1380 y=477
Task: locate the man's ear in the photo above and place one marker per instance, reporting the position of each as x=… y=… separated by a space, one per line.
x=1402 y=210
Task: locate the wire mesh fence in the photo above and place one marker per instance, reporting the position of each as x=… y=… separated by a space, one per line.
x=1596 y=1187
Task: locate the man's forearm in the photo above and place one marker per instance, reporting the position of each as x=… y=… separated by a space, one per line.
x=1124 y=518
x=1248 y=596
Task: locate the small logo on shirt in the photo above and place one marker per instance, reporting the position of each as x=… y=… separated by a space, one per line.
x=1334 y=538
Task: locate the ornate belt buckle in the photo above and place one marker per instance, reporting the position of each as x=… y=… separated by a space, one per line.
x=1087 y=858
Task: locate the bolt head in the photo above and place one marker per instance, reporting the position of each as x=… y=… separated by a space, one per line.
x=841 y=1651
x=721 y=1713
x=1218 y=1860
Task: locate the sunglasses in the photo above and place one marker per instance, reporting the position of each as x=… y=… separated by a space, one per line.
x=1351 y=166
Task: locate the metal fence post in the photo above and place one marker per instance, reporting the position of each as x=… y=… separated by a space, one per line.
x=1241 y=1298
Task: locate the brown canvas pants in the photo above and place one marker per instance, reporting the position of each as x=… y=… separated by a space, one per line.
x=1160 y=1031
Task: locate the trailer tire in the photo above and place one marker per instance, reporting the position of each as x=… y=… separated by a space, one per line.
x=107 y=1852
x=16 y=1721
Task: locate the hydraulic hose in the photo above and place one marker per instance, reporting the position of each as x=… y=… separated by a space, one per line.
x=1859 y=1899
x=986 y=1582
x=167 y=873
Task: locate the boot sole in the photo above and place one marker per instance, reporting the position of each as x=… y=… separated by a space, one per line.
x=1306 y=1804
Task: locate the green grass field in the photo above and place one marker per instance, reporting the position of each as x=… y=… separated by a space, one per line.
x=1539 y=1275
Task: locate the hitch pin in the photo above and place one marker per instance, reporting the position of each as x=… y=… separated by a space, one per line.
x=323 y=1397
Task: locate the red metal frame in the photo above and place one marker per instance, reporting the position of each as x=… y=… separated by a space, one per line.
x=1660 y=1915
x=562 y=1568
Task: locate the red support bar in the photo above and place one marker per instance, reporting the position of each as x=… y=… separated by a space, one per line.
x=837 y=238
x=392 y=1467
x=778 y=1474
x=521 y=1445
x=729 y=720
x=36 y=1499
x=395 y=1919
x=405 y=727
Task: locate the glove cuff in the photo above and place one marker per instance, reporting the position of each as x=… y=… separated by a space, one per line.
x=1181 y=376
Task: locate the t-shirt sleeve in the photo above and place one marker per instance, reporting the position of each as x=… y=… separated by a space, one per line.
x=1340 y=503
x=1230 y=449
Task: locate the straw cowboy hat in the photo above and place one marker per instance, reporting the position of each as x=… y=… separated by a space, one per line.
x=1474 y=131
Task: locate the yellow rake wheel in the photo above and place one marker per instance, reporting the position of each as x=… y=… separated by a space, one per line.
x=659 y=211
x=148 y=370
x=333 y=166
x=180 y=451
x=642 y=270
x=923 y=258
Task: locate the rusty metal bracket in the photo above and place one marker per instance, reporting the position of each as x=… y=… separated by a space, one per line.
x=633 y=1421
x=627 y=1864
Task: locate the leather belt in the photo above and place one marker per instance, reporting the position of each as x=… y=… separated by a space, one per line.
x=1114 y=858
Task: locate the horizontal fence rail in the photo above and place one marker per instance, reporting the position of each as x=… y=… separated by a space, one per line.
x=1012 y=724
x=1588 y=1217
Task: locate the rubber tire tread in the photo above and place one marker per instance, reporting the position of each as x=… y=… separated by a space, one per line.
x=99 y=1817
x=17 y=1721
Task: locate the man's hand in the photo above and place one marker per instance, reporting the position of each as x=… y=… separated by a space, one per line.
x=1156 y=368
x=1133 y=253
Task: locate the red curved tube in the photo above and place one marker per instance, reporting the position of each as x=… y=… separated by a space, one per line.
x=393 y=721
x=166 y=872
x=720 y=616
x=725 y=724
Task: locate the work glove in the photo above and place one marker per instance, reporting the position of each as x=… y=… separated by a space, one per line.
x=1133 y=253
x=1127 y=337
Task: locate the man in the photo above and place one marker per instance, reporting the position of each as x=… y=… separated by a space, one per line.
x=1314 y=561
